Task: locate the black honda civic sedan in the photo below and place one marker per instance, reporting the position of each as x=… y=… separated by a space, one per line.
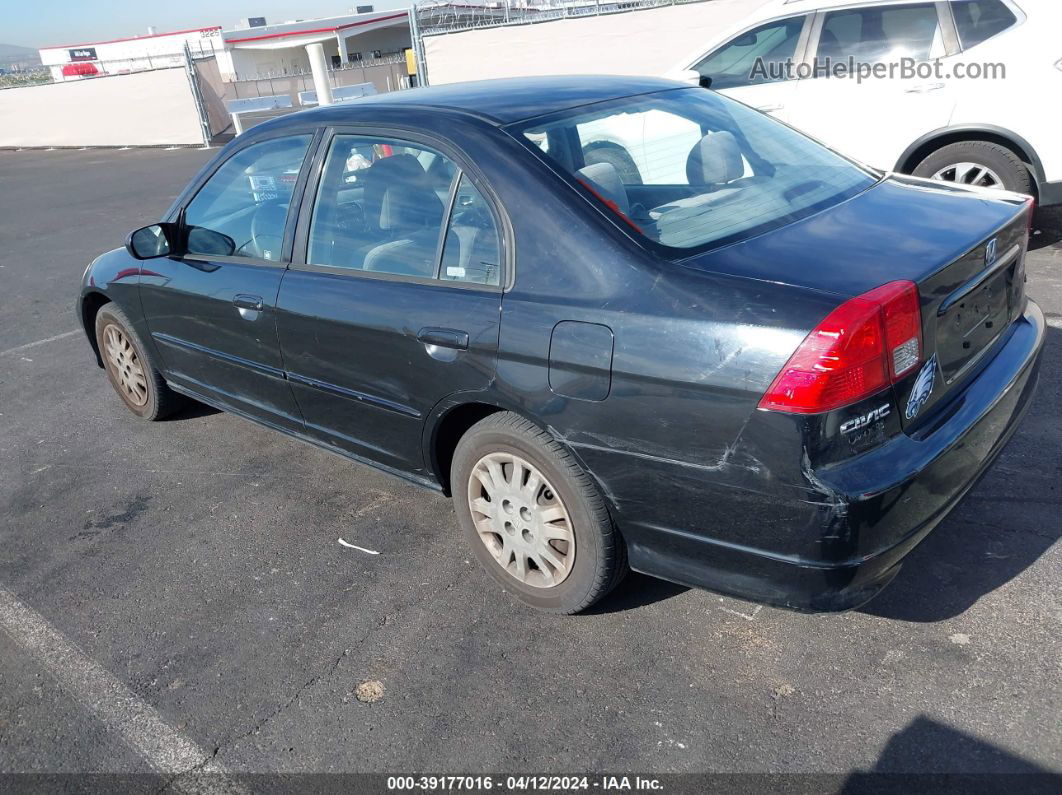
x=622 y=321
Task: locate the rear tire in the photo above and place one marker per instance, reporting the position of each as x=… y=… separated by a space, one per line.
x=977 y=163
x=534 y=519
x=130 y=370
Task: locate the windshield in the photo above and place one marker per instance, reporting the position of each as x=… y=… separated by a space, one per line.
x=689 y=169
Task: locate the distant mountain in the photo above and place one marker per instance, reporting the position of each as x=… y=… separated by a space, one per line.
x=13 y=54
x=14 y=49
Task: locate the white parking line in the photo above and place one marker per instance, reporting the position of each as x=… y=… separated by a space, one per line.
x=29 y=345
x=1054 y=322
x=114 y=704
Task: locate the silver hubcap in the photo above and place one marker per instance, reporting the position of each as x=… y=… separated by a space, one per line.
x=970 y=174
x=126 y=365
x=521 y=520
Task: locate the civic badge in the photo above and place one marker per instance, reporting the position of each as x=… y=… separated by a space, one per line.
x=923 y=388
x=990 y=252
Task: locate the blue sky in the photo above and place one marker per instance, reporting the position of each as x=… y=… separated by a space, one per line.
x=51 y=22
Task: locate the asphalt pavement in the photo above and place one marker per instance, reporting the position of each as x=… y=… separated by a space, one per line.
x=177 y=590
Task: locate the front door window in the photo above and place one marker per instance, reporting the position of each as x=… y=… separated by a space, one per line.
x=242 y=209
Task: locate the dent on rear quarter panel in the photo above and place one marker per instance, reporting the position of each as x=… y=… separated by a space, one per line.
x=678 y=440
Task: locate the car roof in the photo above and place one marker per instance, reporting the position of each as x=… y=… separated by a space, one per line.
x=501 y=101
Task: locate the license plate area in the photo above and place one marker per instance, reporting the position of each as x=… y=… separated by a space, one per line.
x=973 y=322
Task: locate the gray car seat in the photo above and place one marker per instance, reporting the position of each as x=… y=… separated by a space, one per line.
x=715 y=160
x=605 y=180
x=714 y=164
x=410 y=218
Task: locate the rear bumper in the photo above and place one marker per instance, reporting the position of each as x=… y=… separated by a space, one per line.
x=874 y=508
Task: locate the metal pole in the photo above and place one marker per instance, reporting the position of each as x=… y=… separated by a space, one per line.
x=197 y=96
x=418 y=46
x=320 y=73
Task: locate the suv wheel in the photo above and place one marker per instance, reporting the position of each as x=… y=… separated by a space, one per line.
x=533 y=517
x=978 y=163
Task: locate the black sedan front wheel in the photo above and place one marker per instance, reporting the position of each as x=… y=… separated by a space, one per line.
x=131 y=372
x=533 y=517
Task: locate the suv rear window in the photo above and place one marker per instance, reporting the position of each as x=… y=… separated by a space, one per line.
x=689 y=169
x=980 y=20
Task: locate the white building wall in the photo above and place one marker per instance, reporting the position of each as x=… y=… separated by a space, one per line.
x=142 y=109
x=646 y=42
x=145 y=52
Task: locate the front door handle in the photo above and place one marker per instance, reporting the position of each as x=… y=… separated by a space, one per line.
x=444 y=338
x=769 y=108
x=245 y=301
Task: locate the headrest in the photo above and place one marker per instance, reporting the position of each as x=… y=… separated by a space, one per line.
x=715 y=160
x=400 y=166
x=409 y=207
x=605 y=179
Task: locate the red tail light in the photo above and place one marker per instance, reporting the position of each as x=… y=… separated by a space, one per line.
x=862 y=346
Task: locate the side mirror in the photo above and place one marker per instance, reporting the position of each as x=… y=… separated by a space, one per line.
x=207 y=242
x=153 y=241
x=693 y=77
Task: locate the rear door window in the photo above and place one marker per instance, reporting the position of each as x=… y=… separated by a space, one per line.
x=390 y=207
x=881 y=34
x=980 y=20
x=472 y=250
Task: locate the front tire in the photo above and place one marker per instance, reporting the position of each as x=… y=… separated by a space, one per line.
x=534 y=519
x=980 y=163
x=130 y=370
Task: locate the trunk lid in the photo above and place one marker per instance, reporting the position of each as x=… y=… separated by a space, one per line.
x=964 y=250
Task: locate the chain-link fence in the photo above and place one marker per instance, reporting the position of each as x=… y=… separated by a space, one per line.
x=433 y=17
x=386 y=73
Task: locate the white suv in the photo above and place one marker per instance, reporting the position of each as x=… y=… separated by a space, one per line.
x=941 y=122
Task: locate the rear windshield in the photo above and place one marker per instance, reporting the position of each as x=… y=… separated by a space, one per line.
x=688 y=169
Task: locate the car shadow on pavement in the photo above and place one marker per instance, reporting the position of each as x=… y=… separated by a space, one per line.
x=954 y=567
x=192 y=410
x=637 y=590
x=988 y=540
x=928 y=756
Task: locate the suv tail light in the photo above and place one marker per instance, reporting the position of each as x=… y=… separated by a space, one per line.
x=863 y=346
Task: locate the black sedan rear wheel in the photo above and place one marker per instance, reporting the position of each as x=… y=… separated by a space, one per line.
x=533 y=517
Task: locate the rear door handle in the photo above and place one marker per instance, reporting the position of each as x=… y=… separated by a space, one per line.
x=245 y=301
x=444 y=338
